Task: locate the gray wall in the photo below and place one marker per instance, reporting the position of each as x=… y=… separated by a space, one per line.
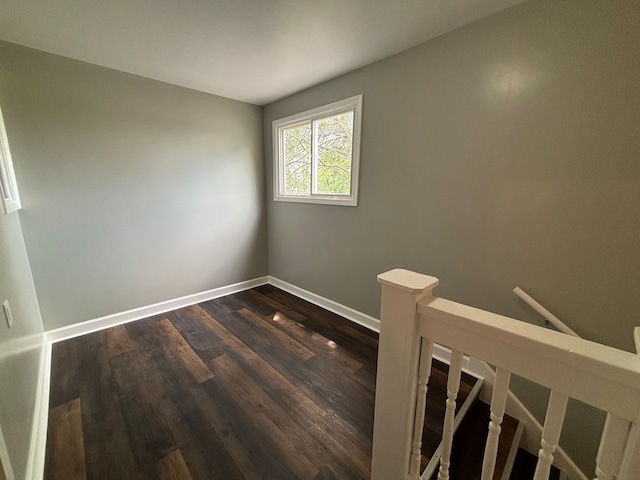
x=505 y=153
x=134 y=191
x=20 y=346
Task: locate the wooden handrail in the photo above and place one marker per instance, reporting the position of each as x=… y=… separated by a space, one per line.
x=601 y=376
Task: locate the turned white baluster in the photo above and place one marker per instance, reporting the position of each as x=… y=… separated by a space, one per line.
x=453 y=385
x=614 y=438
x=424 y=372
x=551 y=433
x=498 y=403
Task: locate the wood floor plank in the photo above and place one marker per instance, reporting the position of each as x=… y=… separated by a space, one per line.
x=311 y=381
x=117 y=341
x=174 y=409
x=343 y=438
x=206 y=346
x=219 y=462
x=150 y=436
x=276 y=336
x=255 y=385
x=312 y=340
x=143 y=375
x=281 y=307
x=64 y=373
x=247 y=444
x=362 y=346
x=254 y=301
x=349 y=398
x=169 y=386
x=202 y=448
x=173 y=467
x=302 y=454
x=169 y=366
x=107 y=446
x=311 y=376
x=306 y=309
x=344 y=334
x=367 y=375
x=258 y=335
x=67 y=459
x=359 y=336
x=353 y=446
x=175 y=344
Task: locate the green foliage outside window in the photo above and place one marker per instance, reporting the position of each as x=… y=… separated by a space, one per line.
x=331 y=138
x=297 y=159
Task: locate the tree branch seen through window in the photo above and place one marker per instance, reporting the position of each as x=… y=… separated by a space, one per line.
x=316 y=154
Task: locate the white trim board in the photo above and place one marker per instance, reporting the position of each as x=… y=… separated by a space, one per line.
x=335 y=307
x=90 y=326
x=37 y=447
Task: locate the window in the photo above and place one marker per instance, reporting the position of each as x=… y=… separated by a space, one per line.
x=8 y=189
x=316 y=154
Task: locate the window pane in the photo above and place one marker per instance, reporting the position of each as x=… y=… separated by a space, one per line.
x=335 y=135
x=297 y=159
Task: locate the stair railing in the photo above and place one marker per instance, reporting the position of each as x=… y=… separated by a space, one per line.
x=616 y=429
x=412 y=320
x=546 y=314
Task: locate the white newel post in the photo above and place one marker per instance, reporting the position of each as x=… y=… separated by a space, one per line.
x=397 y=376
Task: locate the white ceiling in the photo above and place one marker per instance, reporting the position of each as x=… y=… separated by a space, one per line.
x=256 y=51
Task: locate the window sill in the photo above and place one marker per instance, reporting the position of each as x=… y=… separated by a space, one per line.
x=343 y=200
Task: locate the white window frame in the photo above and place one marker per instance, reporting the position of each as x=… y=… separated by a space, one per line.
x=342 y=106
x=10 y=200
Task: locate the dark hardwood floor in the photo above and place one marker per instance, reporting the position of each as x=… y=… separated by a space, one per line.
x=254 y=385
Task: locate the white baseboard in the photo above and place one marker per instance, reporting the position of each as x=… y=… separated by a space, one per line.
x=35 y=462
x=335 y=307
x=90 y=326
